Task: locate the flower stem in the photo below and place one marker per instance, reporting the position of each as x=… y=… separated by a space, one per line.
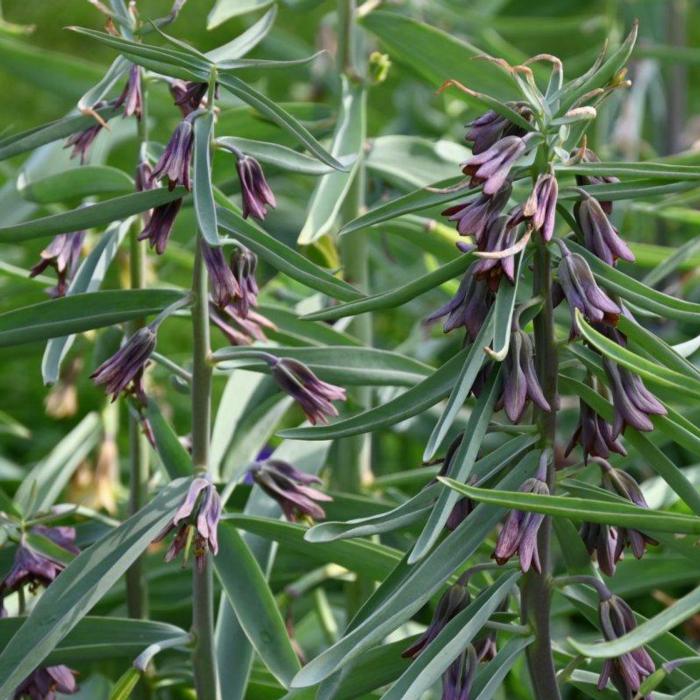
x=536 y=594
x=203 y=657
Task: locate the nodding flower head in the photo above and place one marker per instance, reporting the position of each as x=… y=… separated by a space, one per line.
x=541 y=206
x=81 y=141
x=224 y=286
x=160 y=225
x=313 y=395
x=187 y=95
x=594 y=434
x=458 y=680
x=174 y=163
x=244 y=264
x=601 y=541
x=583 y=293
x=586 y=155
x=599 y=235
x=484 y=131
x=475 y=216
x=291 y=489
x=255 y=191
x=632 y=401
x=127 y=364
x=63 y=254
x=468 y=308
x=452 y=603
x=144 y=176
x=520 y=383
x=196 y=521
x=44 y=682
x=492 y=167
x=519 y=532
x=131 y=97
x=498 y=238
x=627 y=672
x=238 y=329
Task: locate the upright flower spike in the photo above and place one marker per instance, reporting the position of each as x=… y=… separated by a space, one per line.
x=313 y=395
x=632 y=401
x=291 y=488
x=63 y=254
x=492 y=167
x=255 y=191
x=174 y=164
x=519 y=533
x=131 y=98
x=196 y=521
x=224 y=286
x=541 y=206
x=627 y=672
x=458 y=680
x=474 y=217
x=45 y=682
x=594 y=434
x=160 y=225
x=599 y=235
x=127 y=364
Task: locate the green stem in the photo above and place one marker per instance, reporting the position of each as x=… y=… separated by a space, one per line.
x=203 y=657
x=536 y=594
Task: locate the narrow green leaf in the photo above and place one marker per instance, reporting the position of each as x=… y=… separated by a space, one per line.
x=637 y=189
x=81 y=312
x=95 y=94
x=228 y=9
x=489 y=678
x=646 y=169
x=202 y=194
x=232 y=66
x=75 y=184
x=92 y=215
x=246 y=41
x=290 y=326
x=174 y=456
x=125 y=684
x=503 y=314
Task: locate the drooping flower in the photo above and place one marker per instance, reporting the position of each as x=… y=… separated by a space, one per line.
x=244 y=264
x=627 y=672
x=81 y=141
x=174 y=163
x=541 y=206
x=484 y=131
x=632 y=401
x=238 y=329
x=519 y=532
x=475 y=216
x=63 y=254
x=492 y=167
x=499 y=238
x=255 y=191
x=196 y=521
x=45 y=682
x=458 y=680
x=586 y=155
x=160 y=225
x=187 y=95
x=291 y=488
x=599 y=235
x=313 y=395
x=144 y=176
x=127 y=364
x=594 y=434
x=224 y=286
x=131 y=98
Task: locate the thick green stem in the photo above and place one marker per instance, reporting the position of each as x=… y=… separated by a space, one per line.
x=203 y=657
x=536 y=593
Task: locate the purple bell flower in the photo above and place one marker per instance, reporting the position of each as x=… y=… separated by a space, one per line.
x=458 y=680
x=174 y=163
x=63 y=254
x=475 y=216
x=498 y=238
x=492 y=167
x=45 y=682
x=484 y=131
x=240 y=330
x=131 y=98
x=255 y=191
x=599 y=235
x=224 y=286
x=160 y=225
x=81 y=141
x=601 y=540
x=586 y=155
x=541 y=206
x=313 y=395
x=595 y=436
x=244 y=264
x=291 y=489
x=187 y=95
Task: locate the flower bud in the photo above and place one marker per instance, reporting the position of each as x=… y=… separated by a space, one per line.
x=255 y=191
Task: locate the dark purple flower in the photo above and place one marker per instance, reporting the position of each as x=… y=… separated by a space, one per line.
x=196 y=520
x=188 y=96
x=519 y=532
x=238 y=329
x=520 y=382
x=627 y=672
x=45 y=682
x=599 y=235
x=313 y=395
x=486 y=130
x=586 y=155
x=131 y=97
x=174 y=163
x=455 y=600
x=457 y=681
x=499 y=239
x=291 y=488
x=582 y=292
x=81 y=141
x=541 y=206
x=493 y=165
x=475 y=216
x=63 y=254
x=127 y=364
x=632 y=401
x=468 y=308
x=160 y=225
x=144 y=176
x=224 y=286
x=244 y=263
x=255 y=191
x=594 y=435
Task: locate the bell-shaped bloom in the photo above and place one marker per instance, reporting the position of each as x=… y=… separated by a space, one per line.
x=240 y=330
x=244 y=264
x=586 y=155
x=519 y=532
x=313 y=395
x=599 y=235
x=131 y=98
x=81 y=141
x=196 y=521
x=127 y=364
x=499 y=238
x=484 y=131
x=188 y=95
x=492 y=167
x=627 y=672
x=160 y=225
x=174 y=163
x=541 y=206
x=291 y=488
x=458 y=680
x=632 y=401
x=144 y=176
x=582 y=292
x=45 y=682
x=63 y=254
x=455 y=600
x=594 y=434
x=224 y=286
x=475 y=216
x=520 y=382
x=601 y=541
x=255 y=191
